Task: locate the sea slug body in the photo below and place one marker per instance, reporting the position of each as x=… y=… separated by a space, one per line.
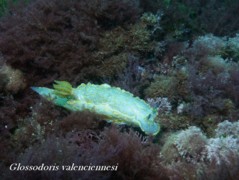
x=110 y=103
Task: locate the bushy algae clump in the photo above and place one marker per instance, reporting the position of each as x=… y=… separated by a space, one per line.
x=110 y=103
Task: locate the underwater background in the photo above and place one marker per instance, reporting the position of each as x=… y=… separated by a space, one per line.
x=180 y=56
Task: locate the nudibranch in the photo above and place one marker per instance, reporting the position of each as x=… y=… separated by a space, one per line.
x=110 y=103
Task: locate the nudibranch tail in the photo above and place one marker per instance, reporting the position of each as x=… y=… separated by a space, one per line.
x=62 y=88
x=45 y=92
x=50 y=95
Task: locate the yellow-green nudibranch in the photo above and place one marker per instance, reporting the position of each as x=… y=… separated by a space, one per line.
x=111 y=103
